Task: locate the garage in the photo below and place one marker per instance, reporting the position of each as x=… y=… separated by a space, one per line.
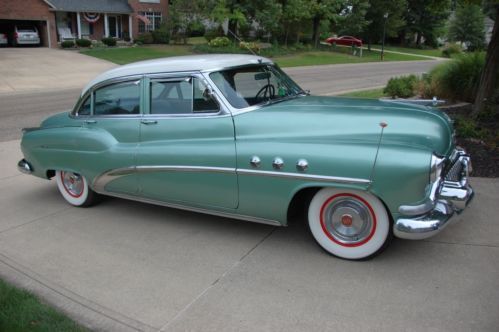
x=28 y=15
x=9 y=27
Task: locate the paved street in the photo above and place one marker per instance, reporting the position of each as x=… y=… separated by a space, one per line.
x=127 y=266
x=28 y=107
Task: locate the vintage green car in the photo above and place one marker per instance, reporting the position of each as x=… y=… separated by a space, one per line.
x=234 y=136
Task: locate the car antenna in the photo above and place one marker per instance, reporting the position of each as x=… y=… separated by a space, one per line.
x=244 y=44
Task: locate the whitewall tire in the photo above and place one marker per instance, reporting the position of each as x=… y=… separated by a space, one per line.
x=349 y=224
x=74 y=188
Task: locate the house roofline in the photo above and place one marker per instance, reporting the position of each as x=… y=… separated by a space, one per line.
x=49 y=3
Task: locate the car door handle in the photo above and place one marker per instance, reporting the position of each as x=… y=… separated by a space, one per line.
x=90 y=121
x=148 y=122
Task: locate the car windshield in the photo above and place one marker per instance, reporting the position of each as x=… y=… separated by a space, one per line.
x=25 y=28
x=254 y=85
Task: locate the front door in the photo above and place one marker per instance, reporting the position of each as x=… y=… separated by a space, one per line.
x=187 y=148
x=114 y=23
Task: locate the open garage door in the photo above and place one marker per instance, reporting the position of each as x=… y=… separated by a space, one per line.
x=42 y=28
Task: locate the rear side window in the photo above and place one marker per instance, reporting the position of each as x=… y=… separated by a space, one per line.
x=185 y=96
x=118 y=99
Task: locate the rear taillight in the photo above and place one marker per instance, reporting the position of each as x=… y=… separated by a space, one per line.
x=16 y=35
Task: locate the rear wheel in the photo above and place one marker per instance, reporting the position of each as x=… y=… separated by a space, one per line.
x=74 y=188
x=349 y=224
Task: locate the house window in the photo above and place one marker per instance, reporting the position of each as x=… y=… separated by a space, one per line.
x=154 y=19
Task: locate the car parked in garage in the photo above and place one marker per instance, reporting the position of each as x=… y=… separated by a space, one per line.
x=25 y=35
x=234 y=136
x=3 y=39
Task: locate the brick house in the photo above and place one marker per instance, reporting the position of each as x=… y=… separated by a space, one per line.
x=57 y=20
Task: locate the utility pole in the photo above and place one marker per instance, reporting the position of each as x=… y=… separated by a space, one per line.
x=385 y=16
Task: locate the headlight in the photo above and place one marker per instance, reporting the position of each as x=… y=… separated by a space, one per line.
x=436 y=167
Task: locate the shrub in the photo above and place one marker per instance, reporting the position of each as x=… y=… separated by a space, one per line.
x=402 y=87
x=67 y=44
x=255 y=47
x=451 y=50
x=458 y=79
x=211 y=34
x=196 y=29
x=145 y=38
x=83 y=42
x=109 y=41
x=220 y=42
x=161 y=36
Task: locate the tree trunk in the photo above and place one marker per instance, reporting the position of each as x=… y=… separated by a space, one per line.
x=418 y=38
x=315 y=28
x=286 y=36
x=488 y=80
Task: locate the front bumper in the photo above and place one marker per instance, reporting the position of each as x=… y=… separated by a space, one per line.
x=24 y=167
x=451 y=196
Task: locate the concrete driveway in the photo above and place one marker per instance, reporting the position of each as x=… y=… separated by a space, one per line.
x=31 y=69
x=125 y=266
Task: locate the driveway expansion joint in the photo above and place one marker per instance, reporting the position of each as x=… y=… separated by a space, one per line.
x=226 y=272
x=462 y=244
x=33 y=221
x=75 y=298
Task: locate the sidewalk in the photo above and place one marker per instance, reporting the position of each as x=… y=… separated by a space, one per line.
x=126 y=266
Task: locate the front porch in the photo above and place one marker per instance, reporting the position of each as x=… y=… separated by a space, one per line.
x=94 y=26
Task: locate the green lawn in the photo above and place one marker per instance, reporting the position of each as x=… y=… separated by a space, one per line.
x=124 y=55
x=327 y=57
x=372 y=94
x=304 y=58
x=21 y=311
x=430 y=52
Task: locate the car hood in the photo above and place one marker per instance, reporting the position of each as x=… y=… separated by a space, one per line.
x=360 y=119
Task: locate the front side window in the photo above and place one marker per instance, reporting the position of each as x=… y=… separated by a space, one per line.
x=253 y=85
x=85 y=108
x=183 y=96
x=118 y=99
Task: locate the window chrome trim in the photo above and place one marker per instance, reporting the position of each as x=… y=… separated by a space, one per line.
x=176 y=77
x=99 y=85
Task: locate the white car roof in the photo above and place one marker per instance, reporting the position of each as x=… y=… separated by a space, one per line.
x=203 y=63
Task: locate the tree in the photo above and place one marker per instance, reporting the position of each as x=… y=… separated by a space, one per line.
x=323 y=11
x=489 y=80
x=268 y=14
x=426 y=18
x=352 y=20
x=294 y=12
x=467 y=26
x=375 y=16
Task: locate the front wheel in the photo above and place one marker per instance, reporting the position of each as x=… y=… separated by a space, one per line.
x=74 y=188
x=349 y=224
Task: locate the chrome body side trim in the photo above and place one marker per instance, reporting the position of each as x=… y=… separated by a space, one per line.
x=24 y=167
x=296 y=176
x=196 y=209
x=103 y=179
x=446 y=199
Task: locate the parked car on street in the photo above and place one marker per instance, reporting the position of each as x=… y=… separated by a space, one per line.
x=3 y=39
x=25 y=35
x=234 y=136
x=344 y=40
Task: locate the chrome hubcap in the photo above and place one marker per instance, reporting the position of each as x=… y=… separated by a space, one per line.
x=347 y=220
x=73 y=183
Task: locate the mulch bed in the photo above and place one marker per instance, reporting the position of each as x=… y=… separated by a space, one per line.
x=484 y=159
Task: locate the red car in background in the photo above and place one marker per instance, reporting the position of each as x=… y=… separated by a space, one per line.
x=344 y=40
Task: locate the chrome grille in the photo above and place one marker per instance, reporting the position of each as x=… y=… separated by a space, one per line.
x=455 y=172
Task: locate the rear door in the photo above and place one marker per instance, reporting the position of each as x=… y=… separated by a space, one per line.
x=187 y=149
x=110 y=118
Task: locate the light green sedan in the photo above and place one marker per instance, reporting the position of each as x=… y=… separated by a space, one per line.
x=234 y=136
